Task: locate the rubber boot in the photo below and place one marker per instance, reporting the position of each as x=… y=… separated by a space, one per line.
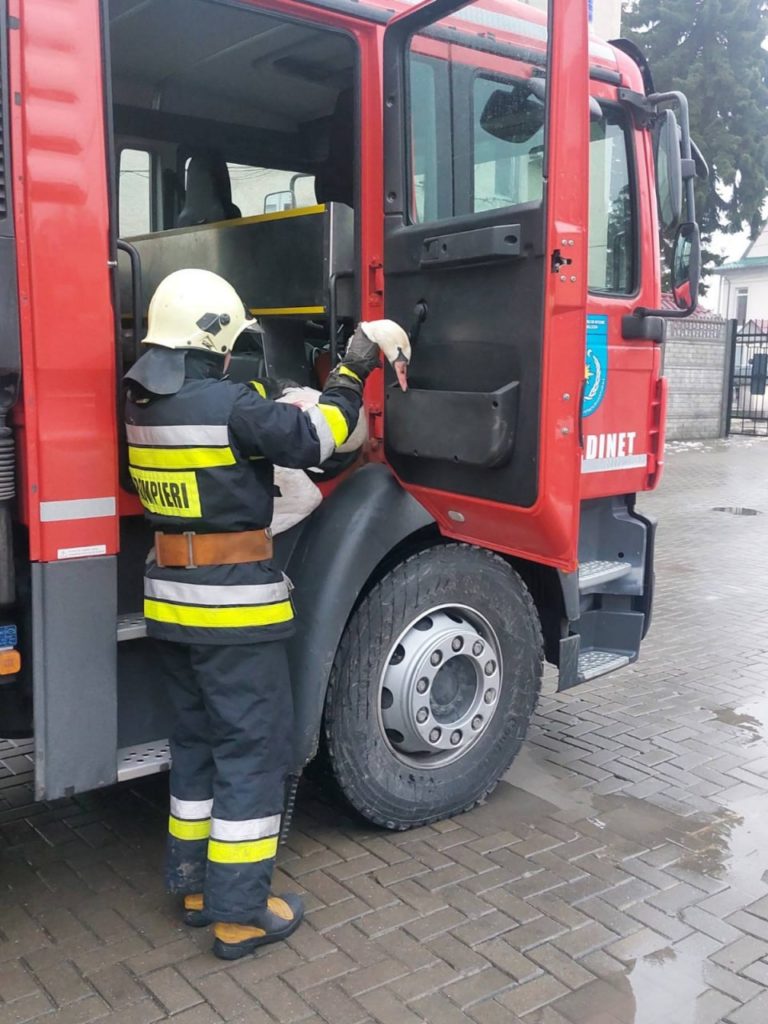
x=279 y=919
x=194 y=912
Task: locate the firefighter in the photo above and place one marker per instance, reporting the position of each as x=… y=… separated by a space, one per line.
x=201 y=454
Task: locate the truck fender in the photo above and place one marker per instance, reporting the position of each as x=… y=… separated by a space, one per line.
x=356 y=527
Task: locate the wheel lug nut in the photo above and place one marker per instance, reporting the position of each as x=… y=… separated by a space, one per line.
x=422 y=686
x=456 y=737
x=477 y=648
x=457 y=643
x=477 y=721
x=490 y=668
x=434 y=736
x=435 y=658
x=489 y=696
x=421 y=715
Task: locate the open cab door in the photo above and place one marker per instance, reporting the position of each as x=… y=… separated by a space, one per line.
x=486 y=121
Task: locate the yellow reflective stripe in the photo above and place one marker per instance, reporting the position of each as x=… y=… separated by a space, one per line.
x=334 y=417
x=168 y=494
x=242 y=853
x=258 y=387
x=218 y=618
x=346 y=372
x=181 y=829
x=180 y=458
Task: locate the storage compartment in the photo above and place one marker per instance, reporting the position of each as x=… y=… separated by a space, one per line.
x=464 y=427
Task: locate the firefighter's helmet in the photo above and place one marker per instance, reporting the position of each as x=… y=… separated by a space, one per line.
x=191 y=310
x=196 y=309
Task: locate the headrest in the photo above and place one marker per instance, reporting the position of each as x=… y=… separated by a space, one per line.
x=209 y=191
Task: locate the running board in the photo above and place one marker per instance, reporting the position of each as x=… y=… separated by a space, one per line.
x=580 y=666
x=597 y=573
x=144 y=759
x=596 y=663
x=131 y=627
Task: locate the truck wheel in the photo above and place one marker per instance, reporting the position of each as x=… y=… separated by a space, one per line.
x=433 y=686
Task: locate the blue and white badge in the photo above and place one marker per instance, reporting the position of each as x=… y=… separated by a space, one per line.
x=596 y=363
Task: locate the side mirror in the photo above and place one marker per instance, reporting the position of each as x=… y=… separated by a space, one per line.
x=669 y=171
x=686 y=266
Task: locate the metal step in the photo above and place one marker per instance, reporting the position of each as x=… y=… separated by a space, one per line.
x=596 y=663
x=595 y=574
x=145 y=759
x=131 y=627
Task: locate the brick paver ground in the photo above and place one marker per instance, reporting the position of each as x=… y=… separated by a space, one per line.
x=618 y=876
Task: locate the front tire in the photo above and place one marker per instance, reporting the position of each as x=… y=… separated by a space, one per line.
x=433 y=686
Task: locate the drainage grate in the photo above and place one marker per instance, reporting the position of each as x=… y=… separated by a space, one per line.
x=736 y=510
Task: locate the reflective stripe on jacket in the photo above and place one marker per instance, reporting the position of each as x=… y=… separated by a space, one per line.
x=202 y=461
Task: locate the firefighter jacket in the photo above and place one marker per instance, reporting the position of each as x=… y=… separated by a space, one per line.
x=202 y=461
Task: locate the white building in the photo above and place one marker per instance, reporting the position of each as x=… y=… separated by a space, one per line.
x=744 y=283
x=605 y=16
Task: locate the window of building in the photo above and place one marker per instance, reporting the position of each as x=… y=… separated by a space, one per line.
x=742 y=298
x=135 y=193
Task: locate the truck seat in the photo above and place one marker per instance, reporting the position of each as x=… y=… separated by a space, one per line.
x=209 y=191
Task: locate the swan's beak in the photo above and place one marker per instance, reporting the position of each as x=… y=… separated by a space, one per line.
x=400 y=366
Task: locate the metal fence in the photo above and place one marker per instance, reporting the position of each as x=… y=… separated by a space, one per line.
x=749 y=378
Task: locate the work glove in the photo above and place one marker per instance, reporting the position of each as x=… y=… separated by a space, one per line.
x=362 y=355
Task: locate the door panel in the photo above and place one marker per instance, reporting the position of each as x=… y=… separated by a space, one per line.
x=485 y=260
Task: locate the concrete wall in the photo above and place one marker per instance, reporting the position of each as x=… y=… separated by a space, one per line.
x=696 y=365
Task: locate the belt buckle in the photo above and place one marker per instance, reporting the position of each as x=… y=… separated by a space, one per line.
x=190 y=536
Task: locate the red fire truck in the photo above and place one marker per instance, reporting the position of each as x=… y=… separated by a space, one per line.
x=493 y=179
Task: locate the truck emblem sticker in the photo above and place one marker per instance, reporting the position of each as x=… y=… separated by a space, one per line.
x=596 y=370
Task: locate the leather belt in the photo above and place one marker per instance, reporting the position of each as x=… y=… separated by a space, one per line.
x=190 y=550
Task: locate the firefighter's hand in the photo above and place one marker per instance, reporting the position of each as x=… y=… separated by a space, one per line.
x=379 y=335
x=362 y=354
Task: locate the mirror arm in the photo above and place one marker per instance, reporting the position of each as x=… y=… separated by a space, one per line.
x=688 y=162
x=640 y=106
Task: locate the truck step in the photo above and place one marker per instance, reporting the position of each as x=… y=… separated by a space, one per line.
x=596 y=663
x=131 y=627
x=145 y=759
x=595 y=574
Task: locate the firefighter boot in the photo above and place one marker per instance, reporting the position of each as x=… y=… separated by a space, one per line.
x=279 y=919
x=194 y=913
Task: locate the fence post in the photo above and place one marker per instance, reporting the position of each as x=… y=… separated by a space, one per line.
x=728 y=381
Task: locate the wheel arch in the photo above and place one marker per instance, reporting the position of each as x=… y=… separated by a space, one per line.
x=346 y=546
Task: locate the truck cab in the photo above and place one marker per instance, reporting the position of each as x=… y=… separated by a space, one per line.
x=482 y=174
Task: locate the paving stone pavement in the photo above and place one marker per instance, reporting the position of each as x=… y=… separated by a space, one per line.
x=617 y=876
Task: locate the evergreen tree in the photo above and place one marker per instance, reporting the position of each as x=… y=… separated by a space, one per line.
x=712 y=50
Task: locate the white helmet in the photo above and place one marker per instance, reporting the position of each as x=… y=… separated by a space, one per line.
x=196 y=309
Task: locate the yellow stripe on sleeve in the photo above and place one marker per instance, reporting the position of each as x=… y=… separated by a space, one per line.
x=334 y=417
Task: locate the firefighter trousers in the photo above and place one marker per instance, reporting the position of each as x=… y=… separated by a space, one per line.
x=230 y=750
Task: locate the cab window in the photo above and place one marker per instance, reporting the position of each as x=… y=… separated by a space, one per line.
x=135 y=192
x=611 y=206
x=508 y=135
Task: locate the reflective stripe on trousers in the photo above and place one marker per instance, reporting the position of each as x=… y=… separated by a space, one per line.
x=233 y=701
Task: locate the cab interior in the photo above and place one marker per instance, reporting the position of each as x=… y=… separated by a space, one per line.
x=234 y=151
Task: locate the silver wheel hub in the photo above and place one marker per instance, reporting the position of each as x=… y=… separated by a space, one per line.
x=440 y=686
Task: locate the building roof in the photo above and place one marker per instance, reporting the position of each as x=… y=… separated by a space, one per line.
x=753 y=257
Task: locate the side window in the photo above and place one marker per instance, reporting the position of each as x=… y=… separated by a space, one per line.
x=611 y=206
x=508 y=137
x=431 y=176
x=257 y=190
x=135 y=193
